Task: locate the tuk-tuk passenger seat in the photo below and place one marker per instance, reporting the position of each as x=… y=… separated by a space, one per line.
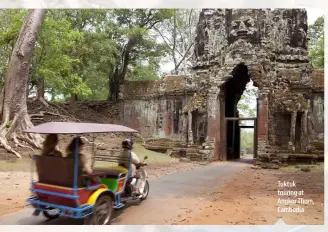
x=56 y=171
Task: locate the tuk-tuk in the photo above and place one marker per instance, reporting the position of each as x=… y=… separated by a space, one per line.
x=61 y=190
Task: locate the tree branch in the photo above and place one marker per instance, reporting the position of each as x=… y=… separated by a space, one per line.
x=183 y=58
x=153 y=24
x=166 y=40
x=174 y=42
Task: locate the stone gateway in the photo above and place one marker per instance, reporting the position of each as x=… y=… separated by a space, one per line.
x=196 y=116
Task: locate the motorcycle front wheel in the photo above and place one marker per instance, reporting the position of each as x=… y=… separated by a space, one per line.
x=146 y=191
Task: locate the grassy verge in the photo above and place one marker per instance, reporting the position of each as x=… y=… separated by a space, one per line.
x=24 y=165
x=153 y=157
x=297 y=168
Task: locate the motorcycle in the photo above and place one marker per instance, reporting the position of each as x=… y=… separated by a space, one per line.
x=130 y=188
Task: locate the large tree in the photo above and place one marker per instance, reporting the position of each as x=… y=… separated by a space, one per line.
x=52 y=63
x=132 y=36
x=13 y=108
x=11 y=21
x=78 y=50
x=317 y=43
x=179 y=33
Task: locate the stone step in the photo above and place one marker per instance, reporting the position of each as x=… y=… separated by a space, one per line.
x=318 y=146
x=192 y=150
x=195 y=146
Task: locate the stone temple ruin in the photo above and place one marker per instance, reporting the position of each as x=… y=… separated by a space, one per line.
x=196 y=116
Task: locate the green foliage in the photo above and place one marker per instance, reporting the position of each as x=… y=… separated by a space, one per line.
x=144 y=71
x=11 y=21
x=246 y=104
x=316 y=43
x=247 y=139
x=78 y=49
x=52 y=59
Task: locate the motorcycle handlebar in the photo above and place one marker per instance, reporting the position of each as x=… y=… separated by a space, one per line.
x=141 y=166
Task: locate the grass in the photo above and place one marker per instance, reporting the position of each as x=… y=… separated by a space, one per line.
x=24 y=165
x=153 y=157
x=315 y=170
x=313 y=167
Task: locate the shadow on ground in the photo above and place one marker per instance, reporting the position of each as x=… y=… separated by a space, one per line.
x=67 y=221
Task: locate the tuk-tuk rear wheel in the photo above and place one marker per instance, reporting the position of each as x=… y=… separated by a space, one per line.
x=50 y=215
x=102 y=211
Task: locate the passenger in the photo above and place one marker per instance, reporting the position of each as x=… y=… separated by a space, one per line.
x=127 y=146
x=49 y=146
x=83 y=166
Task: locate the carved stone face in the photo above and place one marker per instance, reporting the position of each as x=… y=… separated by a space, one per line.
x=298 y=38
x=242 y=27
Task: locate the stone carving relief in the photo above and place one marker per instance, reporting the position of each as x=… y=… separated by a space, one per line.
x=242 y=26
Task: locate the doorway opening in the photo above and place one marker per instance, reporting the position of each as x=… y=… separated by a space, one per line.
x=240 y=99
x=298 y=132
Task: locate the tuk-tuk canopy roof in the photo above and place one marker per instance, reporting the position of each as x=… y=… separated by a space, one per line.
x=77 y=128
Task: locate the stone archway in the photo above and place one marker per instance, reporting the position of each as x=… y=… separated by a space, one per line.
x=233 y=90
x=218 y=111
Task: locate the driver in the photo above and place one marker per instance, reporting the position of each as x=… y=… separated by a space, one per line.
x=127 y=145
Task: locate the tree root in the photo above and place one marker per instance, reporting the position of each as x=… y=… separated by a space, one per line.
x=15 y=133
x=5 y=145
x=21 y=145
x=65 y=111
x=42 y=113
x=43 y=102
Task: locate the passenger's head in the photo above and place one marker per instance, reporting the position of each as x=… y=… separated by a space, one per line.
x=72 y=145
x=127 y=144
x=50 y=144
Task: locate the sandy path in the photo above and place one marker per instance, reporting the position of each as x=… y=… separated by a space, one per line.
x=15 y=185
x=252 y=199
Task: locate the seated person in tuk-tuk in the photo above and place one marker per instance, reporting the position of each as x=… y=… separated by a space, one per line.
x=83 y=166
x=49 y=146
x=127 y=145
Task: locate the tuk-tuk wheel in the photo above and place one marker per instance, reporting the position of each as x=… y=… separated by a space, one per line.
x=50 y=215
x=102 y=211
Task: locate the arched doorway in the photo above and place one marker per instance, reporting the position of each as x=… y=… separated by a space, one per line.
x=232 y=125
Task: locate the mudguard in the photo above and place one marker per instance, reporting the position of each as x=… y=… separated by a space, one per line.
x=93 y=198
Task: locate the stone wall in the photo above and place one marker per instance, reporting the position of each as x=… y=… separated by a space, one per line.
x=155 y=107
x=155 y=118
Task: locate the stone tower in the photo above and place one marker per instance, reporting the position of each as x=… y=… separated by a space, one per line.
x=269 y=47
x=197 y=117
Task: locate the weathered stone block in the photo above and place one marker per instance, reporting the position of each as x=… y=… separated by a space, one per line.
x=273 y=166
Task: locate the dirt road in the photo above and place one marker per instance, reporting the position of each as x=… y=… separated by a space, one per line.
x=171 y=199
x=253 y=199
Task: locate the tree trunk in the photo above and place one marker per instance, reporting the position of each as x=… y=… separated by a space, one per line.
x=118 y=76
x=113 y=85
x=72 y=102
x=174 y=43
x=15 y=119
x=40 y=92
